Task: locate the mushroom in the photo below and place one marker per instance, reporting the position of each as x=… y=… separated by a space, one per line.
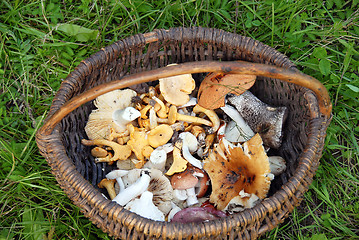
x=162 y=112
x=127 y=164
x=138 y=141
x=191 y=177
x=186 y=181
x=124 y=116
x=263 y=119
x=190 y=145
x=208 y=142
x=145 y=207
x=215 y=87
x=277 y=165
x=109 y=184
x=121 y=152
x=210 y=114
x=145 y=110
x=221 y=130
x=102 y=119
x=176 y=89
x=157 y=159
x=233 y=169
x=192 y=102
x=147 y=151
x=196 y=130
x=115 y=135
x=174 y=116
x=196 y=214
x=242 y=201
x=99 y=152
x=238 y=130
x=117 y=175
x=134 y=190
x=153 y=119
x=159 y=185
x=160 y=135
x=175 y=209
x=179 y=163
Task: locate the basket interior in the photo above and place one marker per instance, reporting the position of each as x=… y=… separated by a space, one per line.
x=135 y=55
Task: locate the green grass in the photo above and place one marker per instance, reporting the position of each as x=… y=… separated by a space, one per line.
x=41 y=42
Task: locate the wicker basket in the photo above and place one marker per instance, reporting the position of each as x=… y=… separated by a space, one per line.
x=141 y=58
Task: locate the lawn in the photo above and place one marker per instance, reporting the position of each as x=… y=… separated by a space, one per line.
x=41 y=42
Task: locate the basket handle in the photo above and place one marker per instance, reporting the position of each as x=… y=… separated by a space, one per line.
x=237 y=67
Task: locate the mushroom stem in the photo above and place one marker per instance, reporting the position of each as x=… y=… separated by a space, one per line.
x=134 y=190
x=144 y=111
x=277 y=165
x=192 y=198
x=117 y=174
x=180 y=194
x=157 y=159
x=188 y=156
x=124 y=116
x=153 y=119
x=190 y=144
x=174 y=116
x=245 y=132
x=121 y=152
x=109 y=184
x=210 y=114
x=175 y=209
x=162 y=112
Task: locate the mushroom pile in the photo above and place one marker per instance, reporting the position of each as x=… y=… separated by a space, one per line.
x=187 y=154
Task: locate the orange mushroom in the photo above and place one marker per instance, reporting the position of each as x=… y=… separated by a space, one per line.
x=238 y=172
x=215 y=87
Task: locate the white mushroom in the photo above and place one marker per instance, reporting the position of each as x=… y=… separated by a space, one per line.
x=159 y=185
x=134 y=190
x=145 y=207
x=192 y=102
x=124 y=116
x=190 y=145
x=157 y=160
x=175 y=209
x=237 y=131
x=117 y=174
x=191 y=197
x=180 y=194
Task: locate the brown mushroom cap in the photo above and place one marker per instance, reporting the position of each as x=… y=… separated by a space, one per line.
x=184 y=180
x=215 y=87
x=191 y=177
x=232 y=170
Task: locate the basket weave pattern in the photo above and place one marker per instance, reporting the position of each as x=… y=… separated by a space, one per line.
x=78 y=175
